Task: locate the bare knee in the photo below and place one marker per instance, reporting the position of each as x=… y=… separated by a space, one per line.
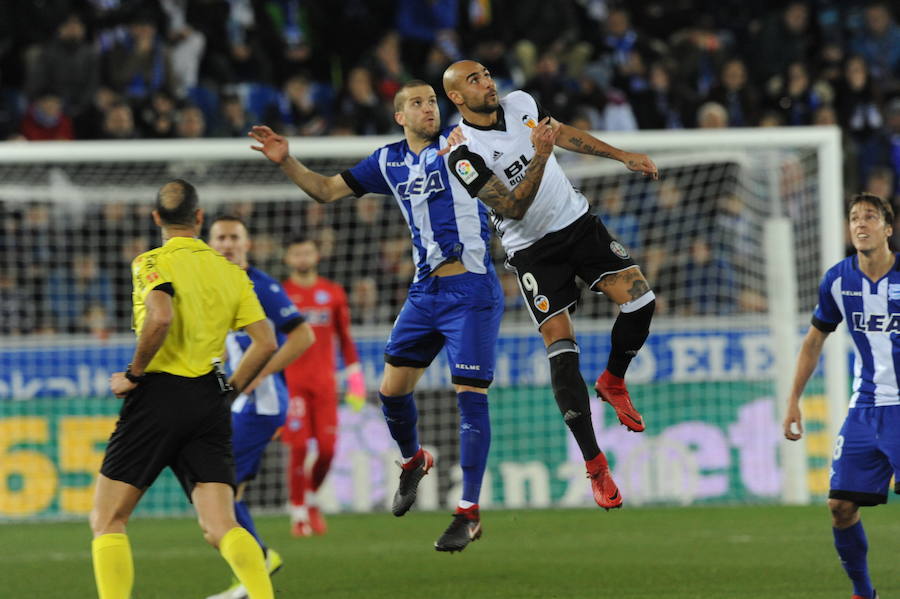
x=215 y=529
x=107 y=522
x=843 y=513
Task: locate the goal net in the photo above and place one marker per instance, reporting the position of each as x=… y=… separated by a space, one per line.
x=733 y=239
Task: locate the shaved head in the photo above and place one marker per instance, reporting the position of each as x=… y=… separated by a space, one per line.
x=468 y=84
x=457 y=72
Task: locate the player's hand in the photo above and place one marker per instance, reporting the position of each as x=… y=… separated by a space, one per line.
x=543 y=137
x=640 y=163
x=274 y=147
x=455 y=138
x=119 y=385
x=794 y=417
x=356 y=388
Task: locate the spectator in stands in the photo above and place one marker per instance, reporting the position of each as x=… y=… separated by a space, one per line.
x=71 y=291
x=658 y=106
x=857 y=104
x=386 y=66
x=795 y=96
x=118 y=123
x=233 y=119
x=17 y=310
x=157 y=116
x=296 y=112
x=552 y=88
x=422 y=25
x=45 y=120
x=879 y=45
x=623 y=225
x=708 y=286
x=736 y=95
x=712 y=115
x=616 y=44
x=786 y=38
x=891 y=151
x=287 y=36
x=825 y=115
x=139 y=64
x=698 y=54
x=190 y=122
x=365 y=305
x=360 y=105
x=67 y=66
x=185 y=46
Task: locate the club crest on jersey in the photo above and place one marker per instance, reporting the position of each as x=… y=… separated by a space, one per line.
x=542 y=303
x=429 y=156
x=528 y=121
x=466 y=171
x=875 y=323
x=618 y=249
x=893 y=291
x=322 y=297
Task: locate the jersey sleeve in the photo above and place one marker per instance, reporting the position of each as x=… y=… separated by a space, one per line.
x=149 y=272
x=469 y=169
x=249 y=309
x=342 y=327
x=366 y=176
x=526 y=97
x=827 y=315
x=279 y=307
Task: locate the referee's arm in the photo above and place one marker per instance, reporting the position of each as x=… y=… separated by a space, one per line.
x=262 y=346
x=153 y=333
x=156 y=326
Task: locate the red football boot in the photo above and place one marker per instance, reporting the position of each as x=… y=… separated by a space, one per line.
x=606 y=493
x=612 y=390
x=317 y=521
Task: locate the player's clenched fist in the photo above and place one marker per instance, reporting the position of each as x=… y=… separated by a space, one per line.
x=274 y=146
x=640 y=163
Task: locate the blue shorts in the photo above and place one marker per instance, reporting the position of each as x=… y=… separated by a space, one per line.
x=250 y=433
x=866 y=454
x=460 y=312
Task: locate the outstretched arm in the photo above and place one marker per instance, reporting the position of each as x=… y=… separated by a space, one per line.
x=806 y=365
x=583 y=142
x=514 y=204
x=320 y=188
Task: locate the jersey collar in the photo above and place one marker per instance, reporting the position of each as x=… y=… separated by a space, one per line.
x=500 y=125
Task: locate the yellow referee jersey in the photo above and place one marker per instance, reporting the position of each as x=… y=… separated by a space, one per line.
x=211 y=297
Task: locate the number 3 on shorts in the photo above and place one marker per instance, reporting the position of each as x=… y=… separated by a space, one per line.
x=838 y=447
x=529 y=283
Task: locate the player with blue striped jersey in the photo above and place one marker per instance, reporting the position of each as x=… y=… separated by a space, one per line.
x=260 y=410
x=454 y=302
x=864 y=291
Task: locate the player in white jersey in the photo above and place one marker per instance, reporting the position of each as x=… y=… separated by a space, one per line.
x=864 y=291
x=550 y=239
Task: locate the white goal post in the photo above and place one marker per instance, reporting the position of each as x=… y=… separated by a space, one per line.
x=793 y=244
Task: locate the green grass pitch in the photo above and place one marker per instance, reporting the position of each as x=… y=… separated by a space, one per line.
x=726 y=552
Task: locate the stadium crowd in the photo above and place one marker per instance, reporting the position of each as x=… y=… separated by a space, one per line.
x=130 y=69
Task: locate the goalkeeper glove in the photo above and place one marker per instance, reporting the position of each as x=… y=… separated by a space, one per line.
x=356 y=387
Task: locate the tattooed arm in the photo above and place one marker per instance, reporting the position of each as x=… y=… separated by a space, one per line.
x=514 y=204
x=583 y=142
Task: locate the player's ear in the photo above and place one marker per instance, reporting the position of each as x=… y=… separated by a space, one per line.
x=156 y=219
x=198 y=219
x=400 y=118
x=455 y=97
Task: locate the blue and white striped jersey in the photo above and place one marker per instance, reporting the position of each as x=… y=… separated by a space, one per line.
x=872 y=312
x=270 y=398
x=444 y=221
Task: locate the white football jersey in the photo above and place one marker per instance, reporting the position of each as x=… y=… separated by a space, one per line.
x=505 y=150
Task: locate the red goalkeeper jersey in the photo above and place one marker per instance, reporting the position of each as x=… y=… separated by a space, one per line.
x=324 y=305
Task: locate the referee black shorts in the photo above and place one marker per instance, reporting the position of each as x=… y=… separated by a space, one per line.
x=175 y=421
x=547 y=268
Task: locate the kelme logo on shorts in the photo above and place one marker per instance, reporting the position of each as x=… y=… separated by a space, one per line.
x=542 y=303
x=618 y=249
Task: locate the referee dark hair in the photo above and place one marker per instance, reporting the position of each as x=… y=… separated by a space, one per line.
x=176 y=412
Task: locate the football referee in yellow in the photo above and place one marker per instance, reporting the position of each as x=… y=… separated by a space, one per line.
x=176 y=411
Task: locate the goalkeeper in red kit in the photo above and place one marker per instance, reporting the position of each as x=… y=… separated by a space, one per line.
x=312 y=412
